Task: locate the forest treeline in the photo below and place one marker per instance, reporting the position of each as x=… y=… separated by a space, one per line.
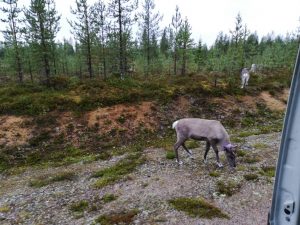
x=124 y=38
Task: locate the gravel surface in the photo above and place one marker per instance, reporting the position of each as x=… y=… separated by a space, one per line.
x=148 y=189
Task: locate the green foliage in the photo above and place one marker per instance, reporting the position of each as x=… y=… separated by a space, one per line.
x=123 y=217
x=80 y=206
x=251 y=159
x=268 y=171
x=121 y=119
x=197 y=208
x=109 y=198
x=241 y=153
x=46 y=180
x=190 y=144
x=251 y=176
x=69 y=95
x=4 y=209
x=228 y=187
x=115 y=173
x=215 y=173
x=42 y=26
x=170 y=155
x=260 y=145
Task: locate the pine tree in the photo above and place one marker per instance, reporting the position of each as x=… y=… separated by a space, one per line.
x=164 y=43
x=82 y=31
x=43 y=25
x=121 y=12
x=14 y=32
x=150 y=28
x=251 y=48
x=238 y=32
x=101 y=27
x=176 y=24
x=239 y=36
x=185 y=43
x=200 y=55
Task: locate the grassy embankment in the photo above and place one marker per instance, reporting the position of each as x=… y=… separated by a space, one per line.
x=44 y=106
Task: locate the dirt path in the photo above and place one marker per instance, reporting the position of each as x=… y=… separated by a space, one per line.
x=147 y=190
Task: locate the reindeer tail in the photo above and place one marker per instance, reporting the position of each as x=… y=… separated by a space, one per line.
x=174 y=124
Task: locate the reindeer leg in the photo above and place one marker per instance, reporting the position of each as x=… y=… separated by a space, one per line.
x=188 y=151
x=214 y=146
x=206 y=151
x=176 y=146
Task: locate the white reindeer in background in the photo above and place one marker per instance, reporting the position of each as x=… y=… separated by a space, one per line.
x=253 y=68
x=211 y=131
x=245 y=75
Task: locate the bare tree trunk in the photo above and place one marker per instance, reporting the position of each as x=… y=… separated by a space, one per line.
x=17 y=51
x=175 y=61
x=103 y=55
x=184 y=59
x=89 y=56
x=121 y=53
x=45 y=52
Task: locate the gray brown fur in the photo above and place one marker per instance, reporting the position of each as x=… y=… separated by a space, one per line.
x=211 y=131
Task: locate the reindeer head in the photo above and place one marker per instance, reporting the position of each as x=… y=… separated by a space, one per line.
x=230 y=154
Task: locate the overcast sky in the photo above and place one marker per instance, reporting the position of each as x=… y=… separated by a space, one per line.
x=209 y=17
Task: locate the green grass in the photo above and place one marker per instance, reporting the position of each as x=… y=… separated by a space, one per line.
x=190 y=144
x=235 y=139
x=268 y=171
x=49 y=179
x=228 y=187
x=170 y=155
x=117 y=172
x=251 y=159
x=109 y=198
x=215 y=173
x=241 y=153
x=260 y=146
x=197 y=207
x=69 y=94
x=123 y=217
x=4 y=209
x=250 y=176
x=80 y=206
x=248 y=133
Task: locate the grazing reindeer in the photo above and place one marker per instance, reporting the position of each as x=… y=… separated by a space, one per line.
x=253 y=68
x=211 y=131
x=245 y=75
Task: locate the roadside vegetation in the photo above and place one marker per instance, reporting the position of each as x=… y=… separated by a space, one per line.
x=197 y=208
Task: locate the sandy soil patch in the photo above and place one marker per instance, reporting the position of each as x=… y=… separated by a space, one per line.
x=13 y=130
x=273 y=103
x=123 y=117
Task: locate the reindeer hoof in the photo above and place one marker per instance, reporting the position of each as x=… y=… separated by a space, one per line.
x=220 y=165
x=179 y=162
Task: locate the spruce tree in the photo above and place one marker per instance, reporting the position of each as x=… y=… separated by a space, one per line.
x=82 y=31
x=100 y=26
x=185 y=43
x=121 y=12
x=176 y=24
x=164 y=43
x=42 y=27
x=150 y=28
x=13 y=33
